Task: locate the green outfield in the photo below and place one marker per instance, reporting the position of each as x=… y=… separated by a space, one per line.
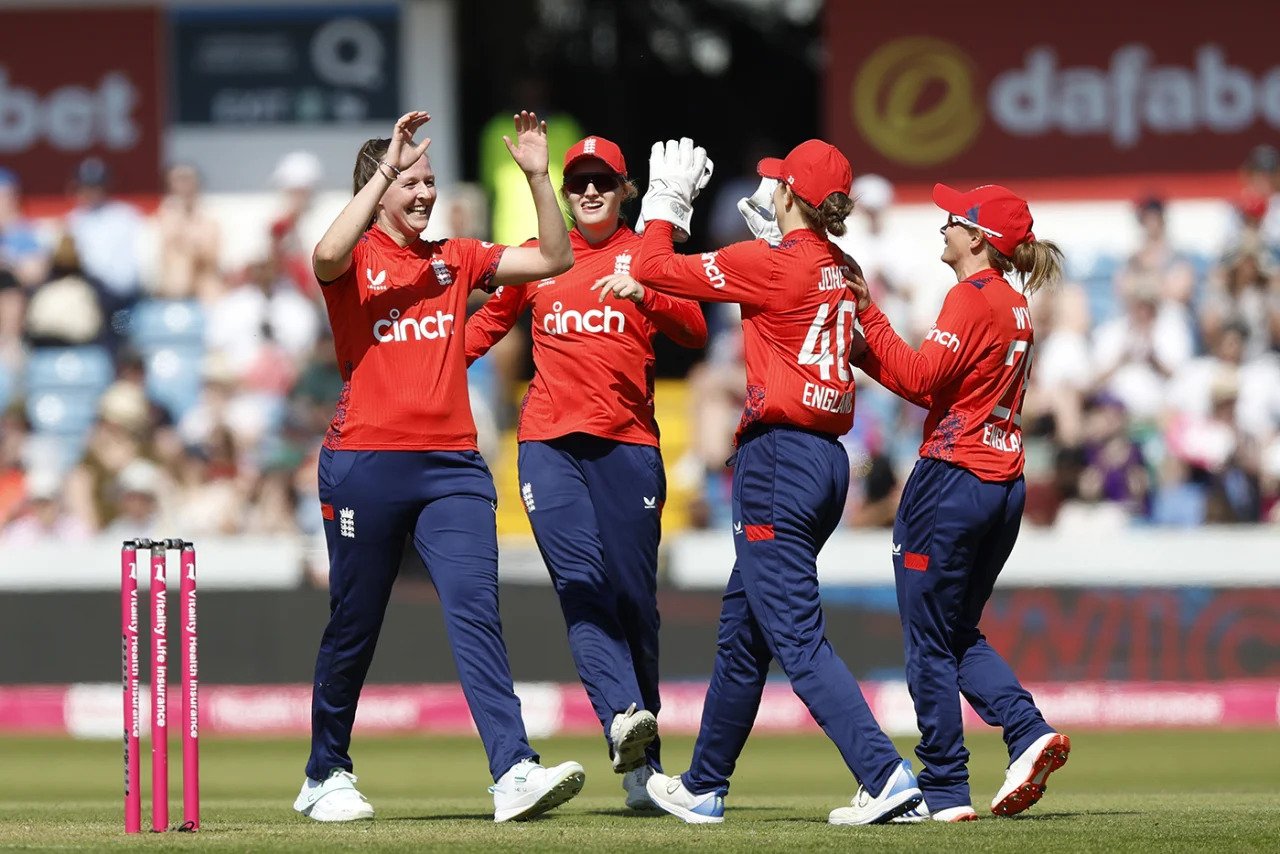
x=1120 y=792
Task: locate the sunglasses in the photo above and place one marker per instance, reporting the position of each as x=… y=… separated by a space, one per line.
x=605 y=182
x=952 y=219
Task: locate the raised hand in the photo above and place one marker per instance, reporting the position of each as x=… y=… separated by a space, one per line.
x=402 y=153
x=529 y=151
x=620 y=286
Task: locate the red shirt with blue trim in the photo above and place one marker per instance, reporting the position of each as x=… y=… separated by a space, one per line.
x=593 y=361
x=398 y=315
x=797 y=320
x=970 y=373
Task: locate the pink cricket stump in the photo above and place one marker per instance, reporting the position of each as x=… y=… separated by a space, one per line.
x=129 y=684
x=190 y=692
x=159 y=692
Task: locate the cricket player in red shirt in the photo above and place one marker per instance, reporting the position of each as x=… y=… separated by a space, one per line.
x=591 y=475
x=400 y=459
x=962 y=506
x=791 y=474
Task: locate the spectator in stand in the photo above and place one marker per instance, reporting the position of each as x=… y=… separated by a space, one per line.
x=13 y=444
x=1115 y=471
x=1254 y=384
x=1155 y=258
x=13 y=306
x=140 y=495
x=1062 y=377
x=107 y=236
x=66 y=310
x=264 y=306
x=190 y=240
x=1136 y=354
x=21 y=249
x=116 y=440
x=1260 y=175
x=44 y=518
x=296 y=176
x=1241 y=292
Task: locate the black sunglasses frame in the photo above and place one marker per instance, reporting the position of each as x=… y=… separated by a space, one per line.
x=605 y=182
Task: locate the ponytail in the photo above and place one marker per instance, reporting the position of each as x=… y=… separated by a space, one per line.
x=1038 y=263
x=828 y=217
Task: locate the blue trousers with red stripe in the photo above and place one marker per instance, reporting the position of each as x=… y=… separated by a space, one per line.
x=595 y=506
x=789 y=489
x=952 y=536
x=446 y=501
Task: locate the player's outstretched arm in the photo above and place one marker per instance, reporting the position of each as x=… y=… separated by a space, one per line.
x=332 y=255
x=553 y=254
x=681 y=320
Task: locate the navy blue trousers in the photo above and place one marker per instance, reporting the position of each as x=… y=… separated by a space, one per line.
x=446 y=500
x=951 y=538
x=789 y=489
x=596 y=510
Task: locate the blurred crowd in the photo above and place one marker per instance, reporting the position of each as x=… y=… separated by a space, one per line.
x=147 y=389
x=144 y=388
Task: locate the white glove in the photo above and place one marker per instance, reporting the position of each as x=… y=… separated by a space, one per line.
x=757 y=210
x=677 y=172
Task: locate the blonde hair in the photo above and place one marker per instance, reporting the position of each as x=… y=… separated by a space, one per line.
x=829 y=216
x=1037 y=262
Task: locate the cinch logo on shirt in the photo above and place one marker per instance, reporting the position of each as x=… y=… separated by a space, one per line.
x=946 y=339
x=561 y=322
x=395 y=328
x=714 y=276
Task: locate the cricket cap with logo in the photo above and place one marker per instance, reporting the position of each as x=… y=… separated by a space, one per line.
x=601 y=149
x=813 y=170
x=999 y=213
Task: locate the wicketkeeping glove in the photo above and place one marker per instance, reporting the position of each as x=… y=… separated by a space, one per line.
x=757 y=210
x=677 y=172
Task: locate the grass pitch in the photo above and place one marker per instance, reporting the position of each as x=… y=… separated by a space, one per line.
x=1162 y=791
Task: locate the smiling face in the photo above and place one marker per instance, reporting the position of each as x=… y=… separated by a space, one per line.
x=406 y=206
x=958 y=241
x=594 y=193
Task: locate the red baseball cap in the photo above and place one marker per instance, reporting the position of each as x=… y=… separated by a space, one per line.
x=599 y=148
x=1000 y=214
x=813 y=170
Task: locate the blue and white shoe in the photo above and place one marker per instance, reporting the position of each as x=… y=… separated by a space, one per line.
x=899 y=795
x=528 y=789
x=670 y=795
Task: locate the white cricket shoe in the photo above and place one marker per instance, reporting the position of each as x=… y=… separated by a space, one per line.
x=528 y=789
x=899 y=795
x=921 y=812
x=333 y=799
x=634 y=783
x=1026 y=780
x=670 y=795
x=631 y=733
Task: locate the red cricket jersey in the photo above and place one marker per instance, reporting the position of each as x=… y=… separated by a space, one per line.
x=970 y=373
x=397 y=315
x=797 y=320
x=593 y=362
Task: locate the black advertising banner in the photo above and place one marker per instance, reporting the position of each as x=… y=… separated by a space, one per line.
x=274 y=65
